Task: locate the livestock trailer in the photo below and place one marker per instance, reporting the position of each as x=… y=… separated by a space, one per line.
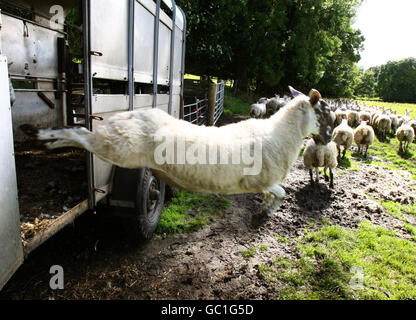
x=131 y=56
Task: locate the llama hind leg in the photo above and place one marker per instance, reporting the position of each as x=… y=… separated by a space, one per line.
x=73 y=137
x=66 y=134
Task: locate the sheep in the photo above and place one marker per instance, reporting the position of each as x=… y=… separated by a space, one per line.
x=365 y=116
x=318 y=156
x=394 y=121
x=343 y=136
x=275 y=104
x=404 y=118
x=353 y=118
x=133 y=139
x=383 y=124
x=258 y=110
x=405 y=135
x=340 y=115
x=413 y=125
x=363 y=137
x=333 y=118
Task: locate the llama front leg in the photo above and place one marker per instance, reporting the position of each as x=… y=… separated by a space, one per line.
x=277 y=194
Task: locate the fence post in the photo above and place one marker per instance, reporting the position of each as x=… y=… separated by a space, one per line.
x=212 y=101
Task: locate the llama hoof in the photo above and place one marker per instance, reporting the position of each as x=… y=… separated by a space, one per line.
x=326 y=178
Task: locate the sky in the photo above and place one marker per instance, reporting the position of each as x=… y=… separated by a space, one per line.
x=389 y=27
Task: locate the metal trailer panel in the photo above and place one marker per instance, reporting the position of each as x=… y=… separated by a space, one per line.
x=30 y=108
x=143 y=44
x=105 y=106
x=177 y=65
x=109 y=37
x=164 y=55
x=32 y=49
x=11 y=251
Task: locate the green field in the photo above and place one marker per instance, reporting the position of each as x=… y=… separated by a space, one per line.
x=399 y=107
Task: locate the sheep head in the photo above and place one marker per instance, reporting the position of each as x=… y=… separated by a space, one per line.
x=323 y=115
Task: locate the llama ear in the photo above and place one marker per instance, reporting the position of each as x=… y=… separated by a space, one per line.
x=314 y=96
x=295 y=92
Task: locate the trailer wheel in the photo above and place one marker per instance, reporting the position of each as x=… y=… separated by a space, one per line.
x=138 y=196
x=149 y=204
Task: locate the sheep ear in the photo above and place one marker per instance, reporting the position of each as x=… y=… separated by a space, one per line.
x=294 y=92
x=314 y=96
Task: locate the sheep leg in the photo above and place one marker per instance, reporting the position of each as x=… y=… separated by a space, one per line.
x=331 y=183
x=317 y=175
x=343 y=154
x=325 y=175
x=311 y=175
x=366 y=150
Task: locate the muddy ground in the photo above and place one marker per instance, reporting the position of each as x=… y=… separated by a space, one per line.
x=102 y=262
x=49 y=183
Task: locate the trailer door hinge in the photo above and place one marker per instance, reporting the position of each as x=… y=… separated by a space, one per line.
x=99 y=190
x=96 y=53
x=96 y=118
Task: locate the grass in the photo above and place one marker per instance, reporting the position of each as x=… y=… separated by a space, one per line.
x=249 y=253
x=331 y=260
x=399 y=107
x=234 y=105
x=397 y=209
x=388 y=152
x=189 y=212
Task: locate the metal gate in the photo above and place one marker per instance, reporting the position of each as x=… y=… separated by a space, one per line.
x=11 y=251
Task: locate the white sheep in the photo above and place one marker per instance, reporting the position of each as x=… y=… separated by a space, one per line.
x=340 y=114
x=343 y=135
x=321 y=156
x=258 y=110
x=405 y=134
x=132 y=140
x=363 y=137
x=394 y=121
x=275 y=104
x=383 y=124
x=413 y=125
x=353 y=118
x=365 y=116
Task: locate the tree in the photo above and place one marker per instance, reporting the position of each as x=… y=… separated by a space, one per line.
x=397 y=81
x=366 y=84
x=273 y=43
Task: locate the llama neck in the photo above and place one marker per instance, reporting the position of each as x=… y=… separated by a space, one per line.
x=287 y=135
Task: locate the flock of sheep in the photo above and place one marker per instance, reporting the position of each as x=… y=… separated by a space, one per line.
x=128 y=140
x=351 y=122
